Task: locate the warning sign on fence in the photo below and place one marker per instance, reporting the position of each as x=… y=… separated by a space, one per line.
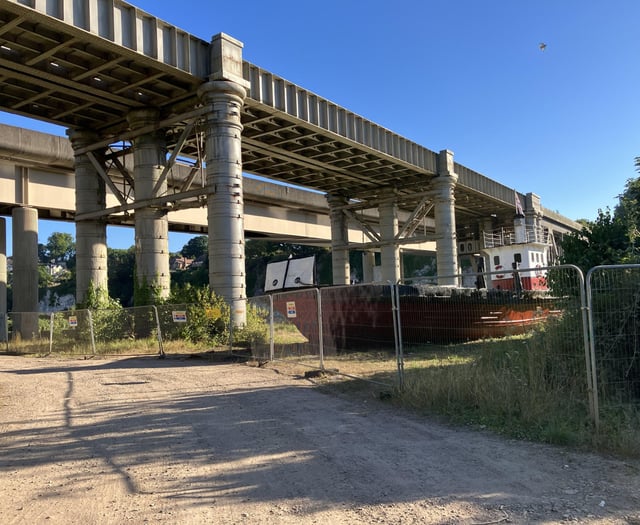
x=291 y=309
x=73 y=321
x=179 y=316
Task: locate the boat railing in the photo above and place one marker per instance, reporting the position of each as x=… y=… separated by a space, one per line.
x=506 y=237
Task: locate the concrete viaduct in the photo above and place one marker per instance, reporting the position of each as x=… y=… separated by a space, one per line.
x=163 y=121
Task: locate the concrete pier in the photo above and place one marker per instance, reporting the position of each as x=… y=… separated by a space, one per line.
x=390 y=251
x=225 y=194
x=445 y=218
x=91 y=235
x=339 y=240
x=368 y=265
x=25 y=271
x=3 y=280
x=151 y=224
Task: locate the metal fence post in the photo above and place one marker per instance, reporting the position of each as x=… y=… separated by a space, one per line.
x=4 y=329
x=159 y=332
x=271 y=330
x=320 y=339
x=231 y=328
x=397 y=332
x=51 y=316
x=91 y=332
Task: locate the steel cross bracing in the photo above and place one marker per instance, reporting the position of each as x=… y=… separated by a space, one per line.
x=86 y=64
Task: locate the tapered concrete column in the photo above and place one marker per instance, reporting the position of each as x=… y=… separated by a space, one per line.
x=25 y=271
x=445 y=218
x=533 y=211
x=151 y=224
x=368 y=264
x=91 y=235
x=223 y=144
x=3 y=280
x=389 y=252
x=339 y=240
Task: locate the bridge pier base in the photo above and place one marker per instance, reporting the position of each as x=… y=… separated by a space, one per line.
x=91 y=235
x=151 y=224
x=445 y=219
x=25 y=271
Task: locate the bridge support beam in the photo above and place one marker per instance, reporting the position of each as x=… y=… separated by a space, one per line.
x=3 y=280
x=91 y=235
x=151 y=224
x=390 y=251
x=225 y=199
x=339 y=240
x=25 y=271
x=445 y=218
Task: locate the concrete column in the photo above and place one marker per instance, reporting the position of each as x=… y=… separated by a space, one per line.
x=368 y=264
x=533 y=211
x=445 y=218
x=339 y=240
x=223 y=144
x=3 y=280
x=91 y=235
x=151 y=224
x=25 y=271
x=389 y=252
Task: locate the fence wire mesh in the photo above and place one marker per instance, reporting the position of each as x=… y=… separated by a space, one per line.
x=615 y=334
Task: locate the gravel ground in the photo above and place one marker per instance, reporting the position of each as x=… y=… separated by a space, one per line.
x=144 y=440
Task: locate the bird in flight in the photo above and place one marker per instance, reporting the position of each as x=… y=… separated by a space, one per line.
x=542 y=46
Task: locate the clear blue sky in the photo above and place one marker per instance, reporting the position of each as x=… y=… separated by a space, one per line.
x=463 y=75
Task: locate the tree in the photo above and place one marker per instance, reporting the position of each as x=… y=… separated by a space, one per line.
x=196 y=247
x=603 y=241
x=121 y=264
x=611 y=238
x=60 y=247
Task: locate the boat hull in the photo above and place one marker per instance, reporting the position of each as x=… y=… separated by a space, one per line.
x=359 y=317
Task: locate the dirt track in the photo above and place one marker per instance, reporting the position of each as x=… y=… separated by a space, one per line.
x=187 y=441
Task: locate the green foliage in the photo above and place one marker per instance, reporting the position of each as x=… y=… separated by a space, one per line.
x=603 y=241
x=527 y=387
x=98 y=299
x=121 y=264
x=60 y=247
x=196 y=247
x=208 y=315
x=145 y=293
x=208 y=319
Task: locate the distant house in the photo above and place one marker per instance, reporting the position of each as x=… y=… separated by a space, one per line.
x=55 y=269
x=199 y=262
x=179 y=263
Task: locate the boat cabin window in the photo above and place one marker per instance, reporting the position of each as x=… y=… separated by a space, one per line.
x=517 y=257
x=496 y=260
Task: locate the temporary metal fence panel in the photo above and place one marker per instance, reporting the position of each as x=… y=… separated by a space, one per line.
x=446 y=314
x=614 y=315
x=28 y=332
x=358 y=318
x=537 y=339
x=73 y=333
x=126 y=331
x=263 y=348
x=297 y=330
